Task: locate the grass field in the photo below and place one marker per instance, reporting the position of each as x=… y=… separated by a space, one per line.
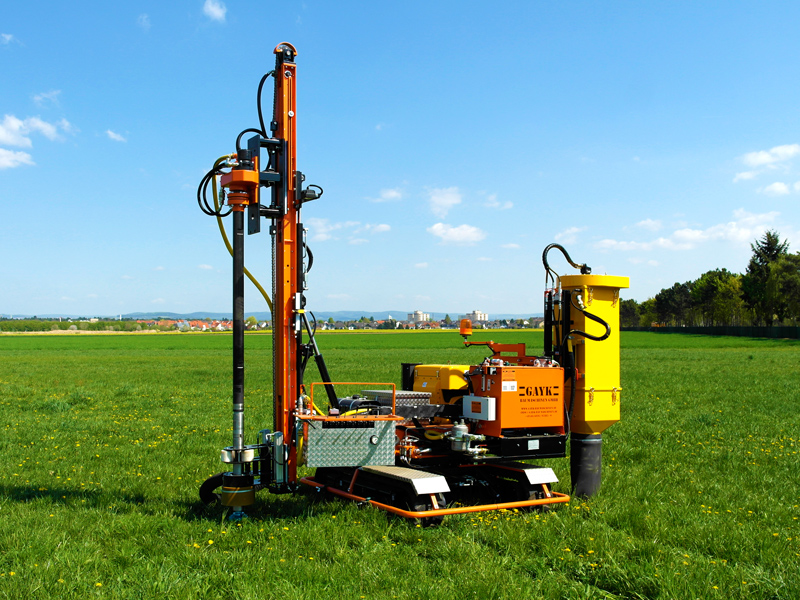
x=105 y=440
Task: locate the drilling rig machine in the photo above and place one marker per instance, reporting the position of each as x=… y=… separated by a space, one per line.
x=455 y=438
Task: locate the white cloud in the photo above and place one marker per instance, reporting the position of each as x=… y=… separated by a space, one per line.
x=12 y=132
x=776 y=189
x=143 y=21
x=159 y=268
x=661 y=242
x=745 y=175
x=635 y=260
x=484 y=259
x=67 y=127
x=10 y=159
x=48 y=130
x=773 y=155
x=422 y=265
x=322 y=229
x=127 y=277
x=649 y=224
x=16 y=132
x=569 y=235
x=743 y=229
x=115 y=136
x=50 y=97
x=797 y=186
x=492 y=202
x=157 y=301
x=205 y=267
x=463 y=234
x=215 y=10
x=389 y=195
x=443 y=199
x=511 y=246
x=6 y=38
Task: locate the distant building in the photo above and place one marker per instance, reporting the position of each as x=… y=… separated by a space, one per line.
x=476 y=316
x=418 y=317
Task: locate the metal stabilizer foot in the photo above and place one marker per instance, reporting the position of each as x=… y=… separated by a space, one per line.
x=238 y=515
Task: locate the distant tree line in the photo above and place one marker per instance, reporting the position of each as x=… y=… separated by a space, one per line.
x=767 y=293
x=36 y=324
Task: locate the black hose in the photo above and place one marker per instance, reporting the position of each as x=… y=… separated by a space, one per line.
x=314 y=328
x=573 y=384
x=248 y=130
x=310 y=262
x=585 y=270
x=202 y=194
x=594 y=318
x=258 y=102
x=550 y=274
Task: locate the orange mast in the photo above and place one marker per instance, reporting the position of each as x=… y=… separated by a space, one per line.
x=287 y=295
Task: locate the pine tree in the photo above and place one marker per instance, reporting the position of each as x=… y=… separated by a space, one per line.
x=766 y=251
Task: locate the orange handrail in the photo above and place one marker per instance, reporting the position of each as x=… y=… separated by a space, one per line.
x=440 y=512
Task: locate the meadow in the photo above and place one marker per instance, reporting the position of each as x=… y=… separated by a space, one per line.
x=106 y=438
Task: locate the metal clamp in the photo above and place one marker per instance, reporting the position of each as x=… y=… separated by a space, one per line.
x=231 y=455
x=614 y=396
x=591 y=396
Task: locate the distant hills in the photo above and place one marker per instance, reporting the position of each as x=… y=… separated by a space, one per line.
x=342 y=315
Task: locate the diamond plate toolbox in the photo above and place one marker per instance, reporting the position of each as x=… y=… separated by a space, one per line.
x=350 y=443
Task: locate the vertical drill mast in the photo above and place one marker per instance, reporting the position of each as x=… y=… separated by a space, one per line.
x=287 y=243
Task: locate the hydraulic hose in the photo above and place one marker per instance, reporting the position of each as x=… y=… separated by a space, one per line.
x=596 y=319
x=550 y=274
x=255 y=282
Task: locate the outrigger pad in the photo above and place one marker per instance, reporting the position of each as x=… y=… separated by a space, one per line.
x=422 y=481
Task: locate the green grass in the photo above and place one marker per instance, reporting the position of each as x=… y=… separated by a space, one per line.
x=106 y=439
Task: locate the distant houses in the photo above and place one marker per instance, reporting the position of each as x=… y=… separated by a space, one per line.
x=419 y=321
x=186 y=325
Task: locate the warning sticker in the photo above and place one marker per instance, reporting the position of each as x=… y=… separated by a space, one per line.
x=509 y=386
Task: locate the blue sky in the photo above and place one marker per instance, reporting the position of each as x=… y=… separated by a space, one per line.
x=454 y=140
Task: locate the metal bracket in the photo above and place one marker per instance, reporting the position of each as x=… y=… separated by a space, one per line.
x=231 y=455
